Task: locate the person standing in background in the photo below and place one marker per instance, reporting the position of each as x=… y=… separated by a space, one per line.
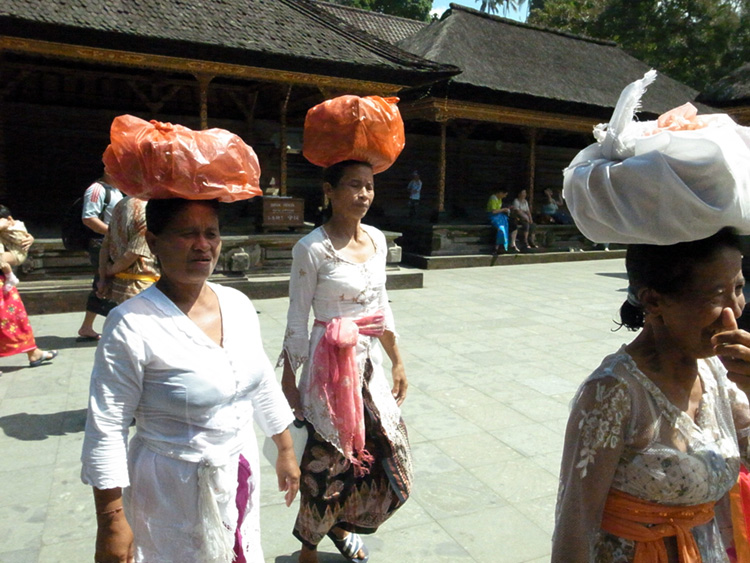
x=415 y=192
x=16 y=335
x=99 y=202
x=126 y=265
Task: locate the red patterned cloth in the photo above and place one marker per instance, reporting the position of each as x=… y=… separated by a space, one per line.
x=739 y=501
x=16 y=335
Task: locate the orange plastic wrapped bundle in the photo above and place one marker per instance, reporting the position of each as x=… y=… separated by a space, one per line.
x=368 y=129
x=153 y=160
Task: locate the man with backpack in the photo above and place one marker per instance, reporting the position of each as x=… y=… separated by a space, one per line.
x=99 y=201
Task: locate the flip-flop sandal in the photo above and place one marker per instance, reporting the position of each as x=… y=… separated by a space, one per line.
x=349 y=546
x=47 y=356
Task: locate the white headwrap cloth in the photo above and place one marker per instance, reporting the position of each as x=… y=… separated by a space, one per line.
x=660 y=182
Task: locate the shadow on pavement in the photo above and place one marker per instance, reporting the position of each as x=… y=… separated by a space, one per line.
x=63 y=342
x=618 y=275
x=25 y=426
x=323 y=557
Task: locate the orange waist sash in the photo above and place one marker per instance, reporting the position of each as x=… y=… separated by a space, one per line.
x=142 y=277
x=648 y=523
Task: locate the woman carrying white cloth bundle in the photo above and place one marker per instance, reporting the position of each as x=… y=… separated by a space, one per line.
x=657 y=433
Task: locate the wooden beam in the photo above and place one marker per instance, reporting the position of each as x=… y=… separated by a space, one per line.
x=246 y=107
x=741 y=114
x=154 y=105
x=98 y=55
x=434 y=109
x=203 y=81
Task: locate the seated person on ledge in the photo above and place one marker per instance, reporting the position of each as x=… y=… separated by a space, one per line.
x=500 y=217
x=521 y=211
x=553 y=210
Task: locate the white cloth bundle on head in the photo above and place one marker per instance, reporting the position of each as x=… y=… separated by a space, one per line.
x=677 y=179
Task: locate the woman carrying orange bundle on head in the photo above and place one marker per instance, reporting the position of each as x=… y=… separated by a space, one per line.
x=356 y=468
x=185 y=359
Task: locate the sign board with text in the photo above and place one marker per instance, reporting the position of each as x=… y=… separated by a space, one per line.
x=283 y=212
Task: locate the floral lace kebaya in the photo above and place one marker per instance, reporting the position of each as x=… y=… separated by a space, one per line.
x=624 y=433
x=332 y=286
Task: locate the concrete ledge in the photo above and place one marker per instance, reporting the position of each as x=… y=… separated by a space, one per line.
x=266 y=254
x=482 y=260
x=69 y=295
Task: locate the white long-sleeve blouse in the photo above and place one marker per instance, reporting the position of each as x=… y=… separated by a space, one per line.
x=193 y=402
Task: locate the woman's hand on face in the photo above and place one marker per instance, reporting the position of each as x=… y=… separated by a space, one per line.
x=287 y=471
x=400 y=384
x=114 y=540
x=732 y=346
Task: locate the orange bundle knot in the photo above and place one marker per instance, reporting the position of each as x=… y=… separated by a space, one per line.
x=154 y=160
x=368 y=129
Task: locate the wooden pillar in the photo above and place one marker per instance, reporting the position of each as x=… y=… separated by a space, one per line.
x=203 y=81
x=532 y=135
x=442 y=166
x=4 y=180
x=463 y=132
x=6 y=88
x=283 y=143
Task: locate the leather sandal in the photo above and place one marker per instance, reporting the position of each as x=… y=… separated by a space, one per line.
x=349 y=546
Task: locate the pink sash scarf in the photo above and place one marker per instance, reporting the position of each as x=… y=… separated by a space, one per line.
x=335 y=381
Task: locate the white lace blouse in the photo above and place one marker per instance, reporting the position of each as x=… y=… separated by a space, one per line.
x=332 y=286
x=624 y=433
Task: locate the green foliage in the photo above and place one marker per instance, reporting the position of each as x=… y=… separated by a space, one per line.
x=694 y=41
x=412 y=9
x=494 y=6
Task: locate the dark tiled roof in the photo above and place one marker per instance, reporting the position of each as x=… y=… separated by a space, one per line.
x=281 y=34
x=538 y=65
x=733 y=89
x=388 y=28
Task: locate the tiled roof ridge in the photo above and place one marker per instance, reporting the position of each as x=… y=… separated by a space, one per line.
x=370 y=12
x=730 y=88
x=359 y=36
x=552 y=30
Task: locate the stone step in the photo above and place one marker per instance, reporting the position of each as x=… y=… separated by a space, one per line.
x=483 y=260
x=46 y=296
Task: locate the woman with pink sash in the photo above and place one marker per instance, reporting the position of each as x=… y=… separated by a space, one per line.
x=356 y=469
